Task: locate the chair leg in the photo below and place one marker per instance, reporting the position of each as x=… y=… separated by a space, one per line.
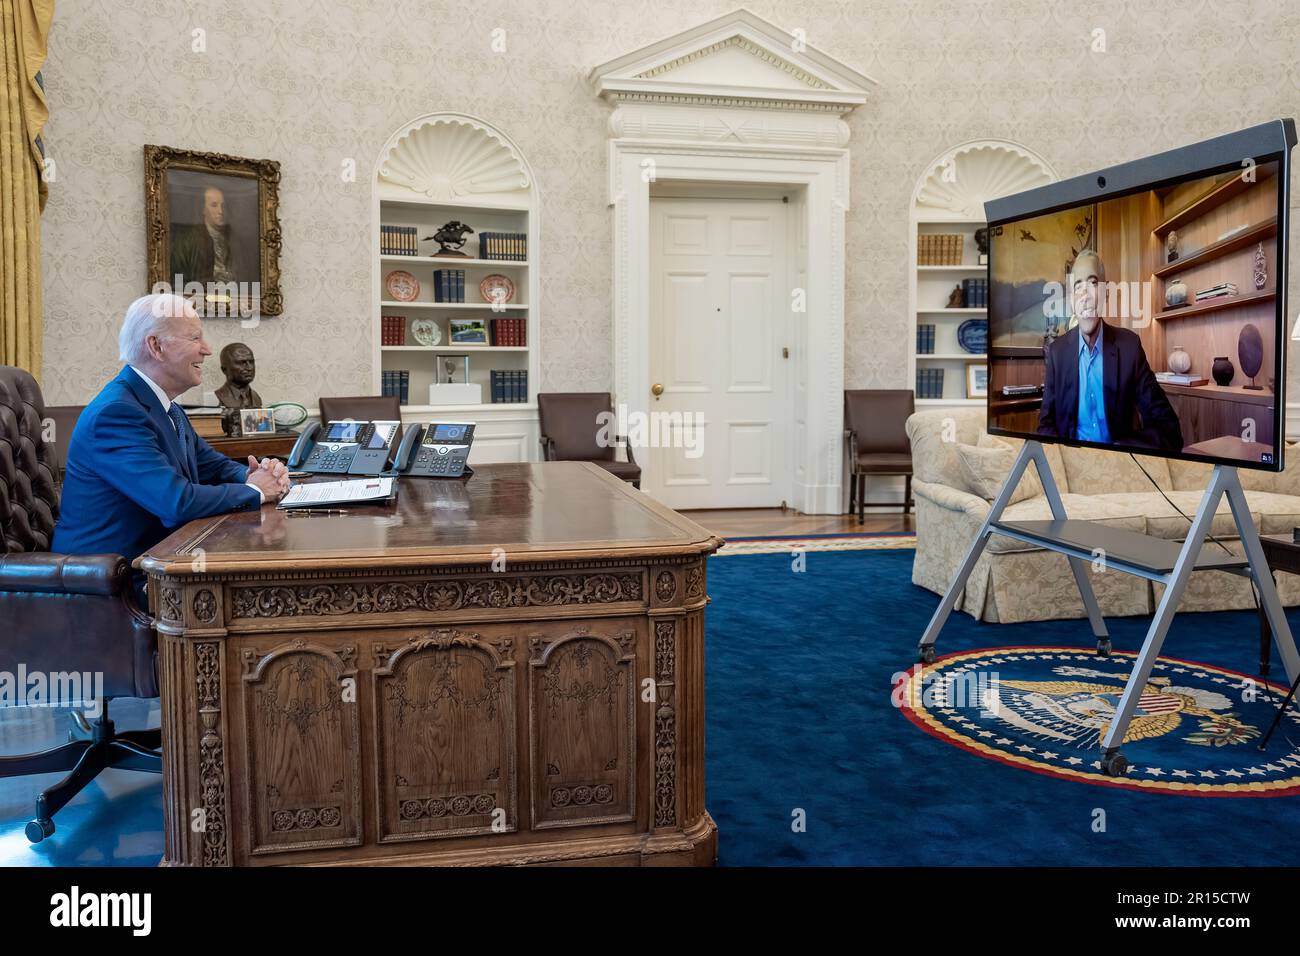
x=149 y=739
x=95 y=759
x=907 y=494
x=853 y=491
x=50 y=761
x=862 y=499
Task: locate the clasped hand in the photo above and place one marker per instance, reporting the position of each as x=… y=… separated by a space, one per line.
x=269 y=476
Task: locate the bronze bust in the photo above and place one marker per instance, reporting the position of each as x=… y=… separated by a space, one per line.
x=238 y=366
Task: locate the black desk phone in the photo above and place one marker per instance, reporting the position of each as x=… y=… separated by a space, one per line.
x=440 y=450
x=344 y=448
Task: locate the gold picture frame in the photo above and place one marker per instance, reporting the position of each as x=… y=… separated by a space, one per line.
x=201 y=212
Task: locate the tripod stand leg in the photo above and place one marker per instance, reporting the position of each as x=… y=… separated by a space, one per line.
x=1030 y=450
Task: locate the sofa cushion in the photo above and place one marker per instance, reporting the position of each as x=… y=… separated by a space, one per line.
x=1054 y=463
x=1278 y=513
x=1112 y=514
x=985 y=466
x=935 y=434
x=1165 y=522
x=1095 y=472
x=1284 y=482
x=1189 y=475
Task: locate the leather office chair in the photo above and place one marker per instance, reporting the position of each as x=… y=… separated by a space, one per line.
x=875 y=429
x=363 y=408
x=570 y=427
x=65 y=613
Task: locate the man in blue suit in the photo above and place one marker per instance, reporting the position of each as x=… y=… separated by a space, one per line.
x=1097 y=384
x=136 y=470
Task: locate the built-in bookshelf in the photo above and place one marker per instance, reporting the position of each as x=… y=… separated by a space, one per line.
x=949 y=200
x=455 y=169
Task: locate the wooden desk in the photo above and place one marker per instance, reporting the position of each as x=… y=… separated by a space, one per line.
x=503 y=670
x=277 y=445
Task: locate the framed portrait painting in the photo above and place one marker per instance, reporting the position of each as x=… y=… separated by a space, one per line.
x=214 y=230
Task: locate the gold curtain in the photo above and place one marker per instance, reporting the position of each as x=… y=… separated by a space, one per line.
x=24 y=31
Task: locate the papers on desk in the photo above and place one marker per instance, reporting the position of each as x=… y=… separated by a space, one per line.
x=331 y=494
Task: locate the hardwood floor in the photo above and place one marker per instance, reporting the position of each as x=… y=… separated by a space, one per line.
x=759 y=522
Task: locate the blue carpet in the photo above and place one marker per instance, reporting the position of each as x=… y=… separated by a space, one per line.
x=800 y=717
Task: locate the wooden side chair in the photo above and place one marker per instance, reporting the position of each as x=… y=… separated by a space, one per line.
x=875 y=432
x=570 y=426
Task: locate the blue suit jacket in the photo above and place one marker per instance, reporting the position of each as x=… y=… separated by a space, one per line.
x=129 y=482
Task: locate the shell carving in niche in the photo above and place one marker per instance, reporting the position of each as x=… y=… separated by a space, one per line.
x=453 y=158
x=963 y=180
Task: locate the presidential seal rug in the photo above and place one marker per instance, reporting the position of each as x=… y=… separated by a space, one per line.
x=1046 y=709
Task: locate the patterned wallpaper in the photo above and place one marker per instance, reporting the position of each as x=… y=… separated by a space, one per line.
x=311 y=83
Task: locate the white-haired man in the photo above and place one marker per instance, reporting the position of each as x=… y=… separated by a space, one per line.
x=136 y=470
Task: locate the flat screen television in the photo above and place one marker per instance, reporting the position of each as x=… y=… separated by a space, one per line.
x=1142 y=307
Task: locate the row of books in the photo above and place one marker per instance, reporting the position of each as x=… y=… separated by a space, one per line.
x=508 y=332
x=398 y=241
x=929 y=383
x=509 y=385
x=503 y=245
x=975 y=293
x=396 y=383
x=938 y=250
x=393 y=330
x=1217 y=291
x=925 y=340
x=448 y=285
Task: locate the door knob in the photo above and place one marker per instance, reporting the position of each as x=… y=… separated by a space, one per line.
x=656 y=390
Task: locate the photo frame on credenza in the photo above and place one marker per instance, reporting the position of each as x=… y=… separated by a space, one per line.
x=212 y=230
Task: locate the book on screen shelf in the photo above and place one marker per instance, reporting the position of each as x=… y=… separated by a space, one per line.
x=1217 y=291
x=1174 y=378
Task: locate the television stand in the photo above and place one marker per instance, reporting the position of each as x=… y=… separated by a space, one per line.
x=1156 y=559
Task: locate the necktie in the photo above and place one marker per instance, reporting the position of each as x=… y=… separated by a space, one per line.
x=183 y=436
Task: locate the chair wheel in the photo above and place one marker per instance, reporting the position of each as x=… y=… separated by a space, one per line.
x=1104 y=647
x=1114 y=764
x=38 y=830
x=926 y=654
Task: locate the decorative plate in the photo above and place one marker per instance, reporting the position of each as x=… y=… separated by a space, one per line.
x=288 y=414
x=496 y=288
x=402 y=286
x=426 y=331
x=973 y=336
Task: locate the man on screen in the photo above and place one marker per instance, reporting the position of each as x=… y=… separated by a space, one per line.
x=1097 y=378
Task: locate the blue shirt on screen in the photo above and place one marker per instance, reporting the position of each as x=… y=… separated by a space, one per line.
x=1092 y=401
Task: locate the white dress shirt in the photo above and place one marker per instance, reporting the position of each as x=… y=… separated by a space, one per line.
x=166 y=403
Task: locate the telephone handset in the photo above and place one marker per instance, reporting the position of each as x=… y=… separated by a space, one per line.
x=344 y=448
x=439 y=451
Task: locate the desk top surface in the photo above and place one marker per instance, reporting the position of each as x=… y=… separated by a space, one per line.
x=549 y=511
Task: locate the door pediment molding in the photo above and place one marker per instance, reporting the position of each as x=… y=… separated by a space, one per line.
x=738 y=60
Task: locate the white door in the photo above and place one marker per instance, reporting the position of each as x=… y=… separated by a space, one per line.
x=719 y=310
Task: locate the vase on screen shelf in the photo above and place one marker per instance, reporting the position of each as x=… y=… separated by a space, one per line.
x=1175 y=294
x=1222 y=370
x=1179 y=361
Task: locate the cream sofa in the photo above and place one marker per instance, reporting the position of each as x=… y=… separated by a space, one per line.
x=1015 y=581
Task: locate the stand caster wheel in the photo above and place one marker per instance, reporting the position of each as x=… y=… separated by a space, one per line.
x=38 y=830
x=1114 y=764
x=926 y=654
x=1104 y=647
